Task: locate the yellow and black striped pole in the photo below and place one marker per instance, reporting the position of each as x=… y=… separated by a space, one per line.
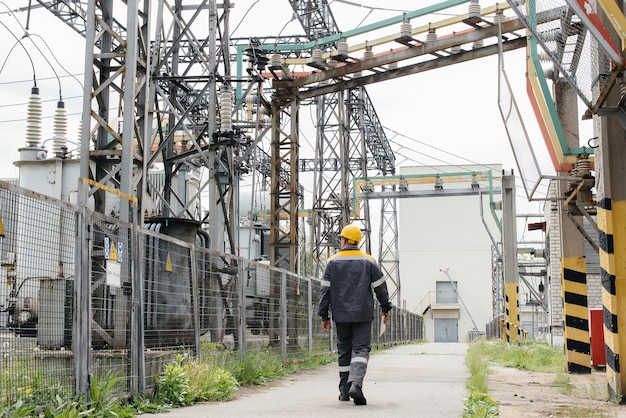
x=576 y=313
x=610 y=161
x=511 y=309
x=609 y=270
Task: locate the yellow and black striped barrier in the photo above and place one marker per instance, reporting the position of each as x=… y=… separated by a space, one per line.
x=511 y=332
x=576 y=313
x=504 y=325
x=607 y=213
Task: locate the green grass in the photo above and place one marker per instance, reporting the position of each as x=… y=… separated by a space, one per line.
x=478 y=403
x=528 y=355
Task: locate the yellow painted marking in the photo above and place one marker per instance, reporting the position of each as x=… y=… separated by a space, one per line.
x=132 y=199
x=168 y=264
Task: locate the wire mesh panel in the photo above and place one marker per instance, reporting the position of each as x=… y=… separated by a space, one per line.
x=218 y=298
x=111 y=300
x=321 y=340
x=37 y=263
x=172 y=293
x=297 y=308
x=577 y=44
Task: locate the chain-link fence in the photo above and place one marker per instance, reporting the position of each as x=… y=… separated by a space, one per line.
x=89 y=296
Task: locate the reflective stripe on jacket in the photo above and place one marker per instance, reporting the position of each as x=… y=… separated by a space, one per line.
x=349 y=278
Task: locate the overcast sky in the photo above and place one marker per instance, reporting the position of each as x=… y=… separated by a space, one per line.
x=444 y=116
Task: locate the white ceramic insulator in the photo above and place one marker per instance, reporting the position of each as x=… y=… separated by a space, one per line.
x=405 y=29
x=499 y=17
x=392 y=66
x=342 y=47
x=368 y=52
x=226 y=109
x=80 y=138
x=317 y=53
x=59 y=130
x=474 y=9
x=33 y=119
x=251 y=99
x=431 y=36
x=551 y=35
x=266 y=120
x=583 y=166
x=478 y=44
x=276 y=60
x=544 y=57
x=548 y=73
x=455 y=49
x=332 y=63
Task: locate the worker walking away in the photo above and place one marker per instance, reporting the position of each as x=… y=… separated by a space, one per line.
x=346 y=291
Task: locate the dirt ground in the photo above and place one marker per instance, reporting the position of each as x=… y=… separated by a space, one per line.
x=533 y=394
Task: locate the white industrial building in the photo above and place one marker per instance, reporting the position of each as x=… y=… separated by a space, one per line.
x=446 y=249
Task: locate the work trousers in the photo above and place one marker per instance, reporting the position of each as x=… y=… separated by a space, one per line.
x=354 y=342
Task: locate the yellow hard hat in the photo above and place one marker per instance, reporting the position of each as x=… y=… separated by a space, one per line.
x=352 y=233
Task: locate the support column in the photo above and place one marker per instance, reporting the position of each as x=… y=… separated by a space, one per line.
x=511 y=276
x=611 y=162
x=573 y=262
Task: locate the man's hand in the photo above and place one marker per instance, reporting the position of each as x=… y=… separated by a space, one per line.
x=326 y=325
x=386 y=315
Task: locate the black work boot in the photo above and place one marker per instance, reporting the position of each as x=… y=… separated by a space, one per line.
x=343 y=395
x=344 y=386
x=356 y=393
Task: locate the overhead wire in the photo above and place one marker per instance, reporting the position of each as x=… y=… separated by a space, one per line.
x=445 y=152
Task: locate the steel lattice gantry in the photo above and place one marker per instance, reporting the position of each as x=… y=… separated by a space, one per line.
x=166 y=104
x=169 y=113
x=349 y=142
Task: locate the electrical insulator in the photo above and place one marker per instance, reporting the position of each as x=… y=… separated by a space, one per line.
x=342 y=47
x=431 y=36
x=405 y=30
x=59 y=130
x=474 y=9
x=276 y=60
x=33 y=118
x=368 y=52
x=226 y=109
x=80 y=137
x=499 y=17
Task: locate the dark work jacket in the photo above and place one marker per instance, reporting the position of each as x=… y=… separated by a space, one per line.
x=349 y=278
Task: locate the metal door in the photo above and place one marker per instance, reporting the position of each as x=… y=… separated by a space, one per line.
x=446 y=330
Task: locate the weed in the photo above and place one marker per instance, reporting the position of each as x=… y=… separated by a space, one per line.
x=173 y=384
x=207 y=383
x=479 y=404
x=564 y=384
x=258 y=368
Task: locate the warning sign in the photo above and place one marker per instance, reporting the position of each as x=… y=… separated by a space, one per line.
x=168 y=264
x=113 y=252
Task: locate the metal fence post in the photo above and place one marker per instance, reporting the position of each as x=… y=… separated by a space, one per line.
x=283 y=315
x=137 y=348
x=241 y=291
x=82 y=313
x=310 y=313
x=196 y=302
